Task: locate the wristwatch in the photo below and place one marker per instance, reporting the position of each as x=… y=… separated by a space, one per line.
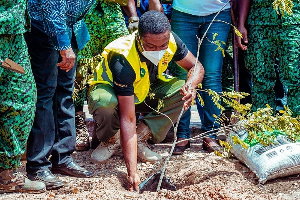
x=133 y=19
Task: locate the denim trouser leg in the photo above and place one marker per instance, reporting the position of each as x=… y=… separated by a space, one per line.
x=64 y=116
x=54 y=126
x=187 y=31
x=183 y=129
x=187 y=27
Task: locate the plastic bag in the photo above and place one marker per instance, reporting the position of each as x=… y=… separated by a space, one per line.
x=268 y=162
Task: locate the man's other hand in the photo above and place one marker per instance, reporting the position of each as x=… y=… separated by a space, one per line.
x=242 y=42
x=133 y=23
x=188 y=96
x=134 y=182
x=68 y=59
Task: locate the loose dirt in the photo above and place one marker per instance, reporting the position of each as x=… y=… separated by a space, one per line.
x=196 y=175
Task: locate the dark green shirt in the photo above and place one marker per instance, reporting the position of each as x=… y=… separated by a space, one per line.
x=262 y=13
x=12 y=16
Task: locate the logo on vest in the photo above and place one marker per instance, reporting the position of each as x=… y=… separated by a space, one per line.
x=143 y=72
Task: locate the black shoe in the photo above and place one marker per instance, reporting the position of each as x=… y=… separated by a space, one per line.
x=178 y=150
x=71 y=169
x=45 y=176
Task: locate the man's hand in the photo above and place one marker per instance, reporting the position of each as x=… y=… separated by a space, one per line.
x=133 y=23
x=244 y=33
x=189 y=96
x=194 y=77
x=134 y=182
x=68 y=59
x=129 y=139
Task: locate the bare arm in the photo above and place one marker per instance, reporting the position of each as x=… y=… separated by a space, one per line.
x=129 y=139
x=243 y=10
x=155 y=5
x=133 y=19
x=195 y=76
x=130 y=9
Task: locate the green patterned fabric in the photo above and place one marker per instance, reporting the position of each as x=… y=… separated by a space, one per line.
x=12 y=16
x=17 y=91
x=105 y=23
x=17 y=104
x=262 y=13
x=267 y=43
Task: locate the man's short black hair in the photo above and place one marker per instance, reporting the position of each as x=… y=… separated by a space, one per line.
x=153 y=22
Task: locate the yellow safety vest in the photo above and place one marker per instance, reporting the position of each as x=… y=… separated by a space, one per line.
x=126 y=46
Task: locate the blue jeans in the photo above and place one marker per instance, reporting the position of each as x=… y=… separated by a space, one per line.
x=183 y=129
x=53 y=132
x=188 y=28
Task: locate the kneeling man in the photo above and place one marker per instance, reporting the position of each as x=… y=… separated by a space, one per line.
x=132 y=79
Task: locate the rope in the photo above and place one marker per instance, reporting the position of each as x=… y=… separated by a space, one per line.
x=182 y=110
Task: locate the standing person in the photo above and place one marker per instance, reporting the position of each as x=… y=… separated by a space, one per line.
x=105 y=23
x=129 y=80
x=18 y=98
x=56 y=34
x=190 y=20
x=273 y=53
x=136 y=8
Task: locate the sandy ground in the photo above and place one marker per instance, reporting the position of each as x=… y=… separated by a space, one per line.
x=196 y=174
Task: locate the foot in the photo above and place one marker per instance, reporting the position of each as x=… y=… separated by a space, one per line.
x=211 y=145
x=71 y=169
x=33 y=186
x=143 y=151
x=145 y=154
x=181 y=147
x=106 y=149
x=15 y=182
x=45 y=176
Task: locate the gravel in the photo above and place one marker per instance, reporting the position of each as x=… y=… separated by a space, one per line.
x=196 y=174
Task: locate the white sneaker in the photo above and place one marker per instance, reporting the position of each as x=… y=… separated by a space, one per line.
x=106 y=149
x=145 y=154
x=11 y=181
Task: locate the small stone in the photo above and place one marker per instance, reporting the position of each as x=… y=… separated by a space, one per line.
x=52 y=194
